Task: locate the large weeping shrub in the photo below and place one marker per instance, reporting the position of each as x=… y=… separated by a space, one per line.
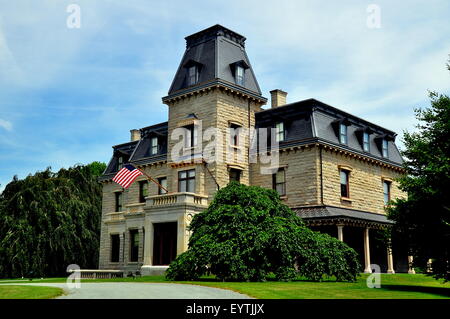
x=248 y=234
x=50 y=220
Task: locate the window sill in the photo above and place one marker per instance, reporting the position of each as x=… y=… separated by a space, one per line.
x=284 y=197
x=346 y=199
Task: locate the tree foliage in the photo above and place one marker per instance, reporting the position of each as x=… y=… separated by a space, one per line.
x=423 y=219
x=247 y=234
x=50 y=220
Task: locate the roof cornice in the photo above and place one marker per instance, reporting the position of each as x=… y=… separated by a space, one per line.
x=215 y=84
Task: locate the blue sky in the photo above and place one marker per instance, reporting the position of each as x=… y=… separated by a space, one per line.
x=68 y=95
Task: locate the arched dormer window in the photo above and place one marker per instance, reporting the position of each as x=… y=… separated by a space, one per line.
x=363 y=136
x=340 y=129
x=193 y=69
x=238 y=71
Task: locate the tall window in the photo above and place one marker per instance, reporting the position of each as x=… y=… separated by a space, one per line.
x=118 y=201
x=190 y=140
x=163 y=182
x=154 y=146
x=143 y=191
x=234 y=134
x=192 y=75
x=384 y=147
x=115 y=248
x=235 y=175
x=279 y=182
x=366 y=144
x=239 y=75
x=186 y=181
x=134 y=245
x=345 y=189
x=119 y=163
x=279 y=132
x=343 y=133
x=386 y=192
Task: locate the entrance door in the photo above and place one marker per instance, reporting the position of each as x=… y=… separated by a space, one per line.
x=164 y=243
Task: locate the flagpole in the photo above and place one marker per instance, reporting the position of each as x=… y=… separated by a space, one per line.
x=151 y=178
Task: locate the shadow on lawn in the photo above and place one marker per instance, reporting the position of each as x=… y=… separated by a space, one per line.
x=442 y=291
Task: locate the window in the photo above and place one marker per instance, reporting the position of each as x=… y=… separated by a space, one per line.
x=154 y=146
x=384 y=147
x=118 y=201
x=235 y=175
x=234 y=134
x=386 y=192
x=343 y=133
x=163 y=182
x=143 y=191
x=134 y=245
x=279 y=132
x=186 y=181
x=191 y=136
x=279 y=181
x=115 y=248
x=192 y=75
x=366 y=140
x=239 y=75
x=345 y=189
x=119 y=163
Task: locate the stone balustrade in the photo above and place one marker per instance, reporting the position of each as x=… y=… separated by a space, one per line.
x=177 y=199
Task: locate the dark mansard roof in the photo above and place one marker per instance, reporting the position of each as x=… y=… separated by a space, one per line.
x=216 y=51
x=311 y=120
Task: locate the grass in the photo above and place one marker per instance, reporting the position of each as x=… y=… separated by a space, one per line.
x=393 y=286
x=28 y=292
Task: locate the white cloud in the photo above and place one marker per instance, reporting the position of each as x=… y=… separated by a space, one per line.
x=6 y=125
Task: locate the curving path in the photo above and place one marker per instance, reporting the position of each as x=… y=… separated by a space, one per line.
x=126 y=290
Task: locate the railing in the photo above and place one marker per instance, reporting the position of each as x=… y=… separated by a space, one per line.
x=134 y=208
x=110 y=217
x=176 y=199
x=98 y=273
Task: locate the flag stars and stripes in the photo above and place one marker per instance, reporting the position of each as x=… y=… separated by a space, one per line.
x=127 y=175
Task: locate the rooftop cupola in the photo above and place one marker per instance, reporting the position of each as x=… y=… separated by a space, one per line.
x=215 y=56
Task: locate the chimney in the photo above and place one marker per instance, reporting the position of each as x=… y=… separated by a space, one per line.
x=135 y=135
x=278 y=98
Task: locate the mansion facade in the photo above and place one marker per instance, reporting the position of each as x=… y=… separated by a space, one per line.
x=335 y=170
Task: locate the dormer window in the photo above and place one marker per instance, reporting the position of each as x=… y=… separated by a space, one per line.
x=384 y=147
x=154 y=146
x=192 y=75
x=366 y=142
x=239 y=75
x=119 y=163
x=343 y=133
x=279 y=132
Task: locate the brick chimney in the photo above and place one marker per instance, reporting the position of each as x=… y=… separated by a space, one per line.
x=278 y=98
x=135 y=135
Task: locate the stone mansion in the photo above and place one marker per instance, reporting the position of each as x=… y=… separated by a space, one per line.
x=336 y=170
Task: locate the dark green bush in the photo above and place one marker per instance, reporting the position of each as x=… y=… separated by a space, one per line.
x=247 y=234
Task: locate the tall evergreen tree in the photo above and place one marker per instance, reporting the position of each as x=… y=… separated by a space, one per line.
x=50 y=220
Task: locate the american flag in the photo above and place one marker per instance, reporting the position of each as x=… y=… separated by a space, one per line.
x=126 y=176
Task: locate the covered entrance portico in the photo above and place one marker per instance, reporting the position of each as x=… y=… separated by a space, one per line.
x=363 y=231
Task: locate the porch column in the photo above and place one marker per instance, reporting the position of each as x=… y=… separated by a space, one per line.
x=340 y=232
x=390 y=260
x=367 y=268
x=121 y=249
x=141 y=244
x=411 y=270
x=148 y=233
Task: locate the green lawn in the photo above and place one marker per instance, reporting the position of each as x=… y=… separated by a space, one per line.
x=398 y=286
x=28 y=292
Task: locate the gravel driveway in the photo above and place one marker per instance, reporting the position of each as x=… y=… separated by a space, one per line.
x=125 y=290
